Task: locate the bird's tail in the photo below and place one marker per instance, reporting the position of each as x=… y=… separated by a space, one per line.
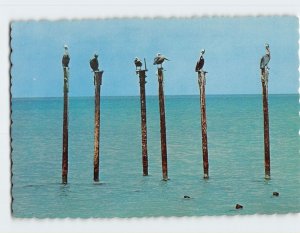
x=167 y=59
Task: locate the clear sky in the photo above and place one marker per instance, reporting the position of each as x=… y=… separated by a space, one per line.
x=233 y=47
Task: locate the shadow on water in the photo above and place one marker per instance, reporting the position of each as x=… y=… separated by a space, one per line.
x=164 y=183
x=144 y=180
x=234 y=211
x=33 y=186
x=40 y=185
x=206 y=180
x=262 y=181
x=64 y=190
x=99 y=183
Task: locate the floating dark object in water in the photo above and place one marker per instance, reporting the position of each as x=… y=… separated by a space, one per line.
x=238 y=206
x=275 y=194
x=186 y=197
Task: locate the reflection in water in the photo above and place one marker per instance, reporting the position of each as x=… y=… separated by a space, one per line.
x=64 y=190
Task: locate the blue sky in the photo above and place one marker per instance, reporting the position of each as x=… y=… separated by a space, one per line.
x=234 y=46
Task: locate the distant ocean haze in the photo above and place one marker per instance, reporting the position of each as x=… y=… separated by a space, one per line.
x=235 y=149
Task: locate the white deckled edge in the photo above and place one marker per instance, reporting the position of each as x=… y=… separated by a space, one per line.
x=18 y=10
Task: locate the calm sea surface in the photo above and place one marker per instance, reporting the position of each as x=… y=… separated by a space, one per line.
x=235 y=147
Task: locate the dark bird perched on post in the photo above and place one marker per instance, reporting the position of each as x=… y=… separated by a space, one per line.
x=66 y=57
x=159 y=59
x=94 y=63
x=200 y=62
x=265 y=60
x=138 y=63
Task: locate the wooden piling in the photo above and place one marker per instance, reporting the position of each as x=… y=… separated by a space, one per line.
x=202 y=83
x=142 y=76
x=97 y=82
x=162 y=125
x=65 y=128
x=264 y=82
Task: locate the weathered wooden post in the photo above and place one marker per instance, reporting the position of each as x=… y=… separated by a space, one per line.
x=65 y=64
x=142 y=77
x=163 y=136
x=202 y=83
x=264 y=81
x=97 y=82
x=158 y=60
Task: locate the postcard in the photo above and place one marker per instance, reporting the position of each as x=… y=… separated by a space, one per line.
x=162 y=117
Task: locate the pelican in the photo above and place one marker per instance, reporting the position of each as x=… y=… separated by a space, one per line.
x=265 y=59
x=159 y=59
x=200 y=62
x=138 y=63
x=94 y=63
x=66 y=57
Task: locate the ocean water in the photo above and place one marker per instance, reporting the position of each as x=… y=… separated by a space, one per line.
x=235 y=147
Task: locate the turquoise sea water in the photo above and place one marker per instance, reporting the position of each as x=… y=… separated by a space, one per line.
x=235 y=146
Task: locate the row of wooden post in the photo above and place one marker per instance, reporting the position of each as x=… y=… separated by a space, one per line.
x=163 y=134
x=163 y=138
x=142 y=81
x=97 y=83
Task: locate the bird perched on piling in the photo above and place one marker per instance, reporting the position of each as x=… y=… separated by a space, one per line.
x=265 y=59
x=138 y=63
x=159 y=59
x=200 y=62
x=66 y=57
x=94 y=63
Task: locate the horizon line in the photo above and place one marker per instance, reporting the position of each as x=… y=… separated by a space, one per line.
x=88 y=96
